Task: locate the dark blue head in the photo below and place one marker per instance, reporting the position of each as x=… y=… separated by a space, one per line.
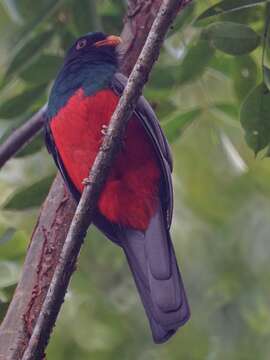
x=89 y=64
x=94 y=47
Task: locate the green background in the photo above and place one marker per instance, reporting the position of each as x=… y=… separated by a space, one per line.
x=210 y=91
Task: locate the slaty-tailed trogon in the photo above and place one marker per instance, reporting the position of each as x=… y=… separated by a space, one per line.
x=135 y=207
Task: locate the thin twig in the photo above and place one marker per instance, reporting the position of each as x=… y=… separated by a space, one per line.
x=21 y=136
x=98 y=174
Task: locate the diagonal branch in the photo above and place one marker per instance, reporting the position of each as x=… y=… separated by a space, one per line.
x=97 y=177
x=21 y=136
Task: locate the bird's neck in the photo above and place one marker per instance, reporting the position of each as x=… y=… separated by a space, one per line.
x=91 y=77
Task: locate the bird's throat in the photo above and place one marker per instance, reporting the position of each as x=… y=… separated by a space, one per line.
x=91 y=78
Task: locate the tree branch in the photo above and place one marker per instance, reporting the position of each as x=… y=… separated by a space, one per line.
x=59 y=206
x=87 y=206
x=21 y=136
x=42 y=256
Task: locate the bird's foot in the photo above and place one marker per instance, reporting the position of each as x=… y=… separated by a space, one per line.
x=104 y=129
x=86 y=181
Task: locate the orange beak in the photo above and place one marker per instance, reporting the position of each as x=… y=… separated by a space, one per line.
x=111 y=40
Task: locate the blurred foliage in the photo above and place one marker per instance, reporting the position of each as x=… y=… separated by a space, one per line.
x=210 y=90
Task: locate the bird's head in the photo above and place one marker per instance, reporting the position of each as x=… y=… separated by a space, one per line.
x=93 y=48
x=89 y=64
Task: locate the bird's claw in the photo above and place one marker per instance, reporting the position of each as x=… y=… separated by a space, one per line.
x=104 y=129
x=86 y=181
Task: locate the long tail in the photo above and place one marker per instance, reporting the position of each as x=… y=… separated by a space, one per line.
x=154 y=266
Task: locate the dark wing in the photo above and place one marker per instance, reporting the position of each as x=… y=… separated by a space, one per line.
x=150 y=122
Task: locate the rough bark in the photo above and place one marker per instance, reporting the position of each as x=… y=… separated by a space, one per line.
x=55 y=218
x=138 y=21
x=43 y=253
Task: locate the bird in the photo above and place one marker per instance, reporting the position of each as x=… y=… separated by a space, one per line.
x=136 y=203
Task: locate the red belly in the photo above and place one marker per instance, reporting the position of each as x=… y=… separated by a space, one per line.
x=130 y=195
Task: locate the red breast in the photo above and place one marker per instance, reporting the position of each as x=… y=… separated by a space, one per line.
x=130 y=194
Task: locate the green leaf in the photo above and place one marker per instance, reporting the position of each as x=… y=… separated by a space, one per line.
x=13 y=11
x=230 y=109
x=228 y=6
x=164 y=77
x=42 y=70
x=30 y=10
x=6 y=294
x=254 y=117
x=266 y=72
x=195 y=62
x=7 y=235
x=27 y=52
x=30 y=196
x=13 y=244
x=193 y=65
x=112 y=13
x=42 y=12
x=9 y=273
x=182 y=19
x=15 y=106
x=164 y=108
x=85 y=16
x=31 y=148
x=174 y=128
x=244 y=75
x=231 y=38
x=222 y=64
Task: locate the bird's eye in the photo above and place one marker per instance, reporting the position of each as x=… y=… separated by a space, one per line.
x=81 y=44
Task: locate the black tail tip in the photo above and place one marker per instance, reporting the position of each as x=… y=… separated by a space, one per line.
x=161 y=335
x=162 y=339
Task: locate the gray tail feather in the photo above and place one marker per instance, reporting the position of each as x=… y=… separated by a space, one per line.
x=154 y=266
